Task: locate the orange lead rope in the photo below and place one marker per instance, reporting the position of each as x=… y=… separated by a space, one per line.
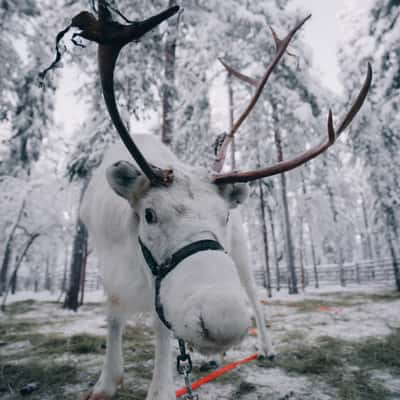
x=216 y=374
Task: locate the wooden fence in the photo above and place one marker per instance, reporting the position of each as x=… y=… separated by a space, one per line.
x=361 y=272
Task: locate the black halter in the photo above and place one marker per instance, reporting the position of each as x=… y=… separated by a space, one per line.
x=160 y=271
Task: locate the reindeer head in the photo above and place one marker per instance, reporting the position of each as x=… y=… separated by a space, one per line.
x=202 y=299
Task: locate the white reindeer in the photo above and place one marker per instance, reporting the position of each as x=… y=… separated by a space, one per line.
x=202 y=297
x=169 y=238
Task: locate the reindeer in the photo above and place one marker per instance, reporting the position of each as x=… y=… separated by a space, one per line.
x=169 y=235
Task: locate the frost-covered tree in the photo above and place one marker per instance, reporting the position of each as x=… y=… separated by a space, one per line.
x=13 y=17
x=27 y=107
x=30 y=210
x=376 y=138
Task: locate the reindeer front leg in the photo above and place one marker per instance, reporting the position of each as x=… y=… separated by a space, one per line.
x=266 y=348
x=112 y=373
x=240 y=254
x=161 y=387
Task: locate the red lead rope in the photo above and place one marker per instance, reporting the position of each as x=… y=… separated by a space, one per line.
x=216 y=374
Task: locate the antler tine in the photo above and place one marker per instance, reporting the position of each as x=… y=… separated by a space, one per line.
x=288 y=165
x=238 y=74
x=281 y=46
x=357 y=104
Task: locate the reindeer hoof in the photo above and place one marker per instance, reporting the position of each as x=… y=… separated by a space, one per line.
x=101 y=395
x=270 y=357
x=208 y=366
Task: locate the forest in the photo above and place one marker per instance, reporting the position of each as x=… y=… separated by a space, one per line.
x=334 y=218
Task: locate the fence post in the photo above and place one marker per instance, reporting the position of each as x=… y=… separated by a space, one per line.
x=358 y=278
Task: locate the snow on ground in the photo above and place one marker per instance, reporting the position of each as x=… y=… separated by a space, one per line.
x=90 y=297
x=352 y=314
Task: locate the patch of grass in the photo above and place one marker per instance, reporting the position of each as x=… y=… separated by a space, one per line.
x=383 y=297
x=380 y=353
x=346 y=366
x=358 y=385
x=11 y=328
x=85 y=344
x=138 y=334
x=388 y=296
x=138 y=344
x=138 y=370
x=20 y=307
x=77 y=344
x=53 y=345
x=339 y=300
x=294 y=336
x=317 y=359
x=313 y=305
x=50 y=378
x=231 y=378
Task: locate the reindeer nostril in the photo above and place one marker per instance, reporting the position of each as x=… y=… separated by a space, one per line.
x=117 y=164
x=204 y=330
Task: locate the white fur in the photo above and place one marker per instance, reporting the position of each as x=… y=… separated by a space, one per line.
x=203 y=297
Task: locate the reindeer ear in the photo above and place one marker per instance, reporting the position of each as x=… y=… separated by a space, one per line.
x=235 y=193
x=127 y=181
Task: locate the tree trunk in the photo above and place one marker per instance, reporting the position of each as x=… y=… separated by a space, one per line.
x=168 y=90
x=286 y=216
x=8 y=249
x=338 y=245
x=370 y=253
x=83 y=276
x=377 y=245
x=28 y=244
x=47 y=279
x=395 y=263
x=231 y=121
x=78 y=256
x=314 y=258
x=5 y=266
x=64 y=278
x=275 y=247
x=13 y=283
x=301 y=254
x=267 y=273
x=312 y=245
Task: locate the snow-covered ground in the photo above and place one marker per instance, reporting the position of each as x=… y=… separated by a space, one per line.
x=299 y=324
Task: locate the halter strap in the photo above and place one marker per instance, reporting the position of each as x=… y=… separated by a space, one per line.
x=160 y=271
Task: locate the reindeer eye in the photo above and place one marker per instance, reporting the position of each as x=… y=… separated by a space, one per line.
x=150 y=215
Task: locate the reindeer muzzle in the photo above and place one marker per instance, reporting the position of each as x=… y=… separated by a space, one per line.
x=161 y=270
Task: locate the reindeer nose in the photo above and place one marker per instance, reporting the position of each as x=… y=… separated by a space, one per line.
x=219 y=337
x=224 y=322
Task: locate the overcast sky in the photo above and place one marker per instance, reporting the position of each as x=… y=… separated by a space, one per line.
x=324 y=32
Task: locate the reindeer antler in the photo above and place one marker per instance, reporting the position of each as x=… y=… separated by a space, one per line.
x=111 y=37
x=282 y=166
x=281 y=46
x=114 y=37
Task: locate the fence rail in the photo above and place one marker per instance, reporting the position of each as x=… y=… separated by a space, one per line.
x=361 y=272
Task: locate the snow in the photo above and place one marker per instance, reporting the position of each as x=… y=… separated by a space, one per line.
x=363 y=319
x=90 y=297
x=362 y=315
